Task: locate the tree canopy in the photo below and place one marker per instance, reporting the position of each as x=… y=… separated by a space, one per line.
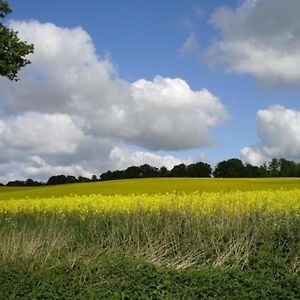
x=13 y=51
x=230 y=168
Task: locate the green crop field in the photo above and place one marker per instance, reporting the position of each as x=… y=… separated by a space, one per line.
x=150 y=186
x=152 y=239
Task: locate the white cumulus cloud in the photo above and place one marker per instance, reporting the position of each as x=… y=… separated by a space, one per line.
x=260 y=38
x=169 y=115
x=279 y=133
x=40 y=133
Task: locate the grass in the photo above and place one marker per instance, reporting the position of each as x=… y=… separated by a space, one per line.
x=148 y=256
x=150 y=186
x=117 y=277
x=231 y=239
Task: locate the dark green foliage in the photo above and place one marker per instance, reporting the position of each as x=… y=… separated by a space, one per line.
x=16 y=183
x=288 y=168
x=94 y=178
x=71 y=179
x=283 y=168
x=132 y=172
x=119 y=277
x=234 y=168
x=112 y=175
x=148 y=171
x=31 y=182
x=12 y=50
x=83 y=179
x=28 y=182
x=58 y=179
x=178 y=171
x=163 y=172
x=4 y=9
x=231 y=168
x=62 y=179
x=274 y=168
x=199 y=169
x=106 y=176
x=256 y=172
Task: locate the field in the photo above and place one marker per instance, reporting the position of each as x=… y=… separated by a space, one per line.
x=151 y=186
x=152 y=239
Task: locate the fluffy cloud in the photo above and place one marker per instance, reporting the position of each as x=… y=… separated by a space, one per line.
x=124 y=158
x=261 y=38
x=65 y=75
x=169 y=115
x=71 y=110
x=279 y=132
x=40 y=133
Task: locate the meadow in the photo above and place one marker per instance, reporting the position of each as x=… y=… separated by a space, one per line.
x=152 y=239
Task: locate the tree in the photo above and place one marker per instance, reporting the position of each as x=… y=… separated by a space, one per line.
x=94 y=178
x=16 y=183
x=274 y=168
x=148 y=171
x=107 y=176
x=83 y=179
x=230 y=168
x=163 y=172
x=132 y=172
x=31 y=182
x=254 y=171
x=198 y=169
x=288 y=168
x=58 y=179
x=71 y=179
x=12 y=50
x=178 y=171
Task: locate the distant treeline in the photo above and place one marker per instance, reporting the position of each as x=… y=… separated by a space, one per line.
x=231 y=168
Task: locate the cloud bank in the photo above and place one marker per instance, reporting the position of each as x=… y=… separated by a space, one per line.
x=71 y=113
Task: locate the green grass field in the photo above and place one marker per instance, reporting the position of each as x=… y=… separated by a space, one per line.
x=150 y=186
x=231 y=239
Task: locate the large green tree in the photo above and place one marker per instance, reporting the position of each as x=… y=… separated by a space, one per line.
x=230 y=168
x=13 y=51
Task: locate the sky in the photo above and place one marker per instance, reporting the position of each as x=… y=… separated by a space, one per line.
x=116 y=83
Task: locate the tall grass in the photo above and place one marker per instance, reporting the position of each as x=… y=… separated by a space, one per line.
x=172 y=239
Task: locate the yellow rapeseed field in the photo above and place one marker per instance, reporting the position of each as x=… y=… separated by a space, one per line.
x=235 y=202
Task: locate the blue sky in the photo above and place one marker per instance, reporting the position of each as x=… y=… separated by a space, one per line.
x=144 y=39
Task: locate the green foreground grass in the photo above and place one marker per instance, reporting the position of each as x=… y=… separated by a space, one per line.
x=150 y=186
x=142 y=255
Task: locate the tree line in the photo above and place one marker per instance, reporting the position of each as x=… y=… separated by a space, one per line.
x=231 y=168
